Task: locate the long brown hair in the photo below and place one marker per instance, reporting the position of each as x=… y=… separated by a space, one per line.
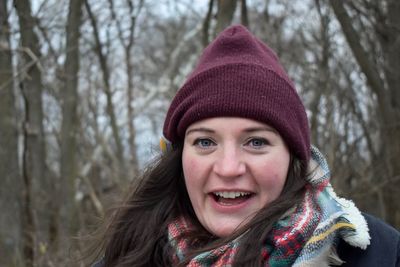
x=137 y=233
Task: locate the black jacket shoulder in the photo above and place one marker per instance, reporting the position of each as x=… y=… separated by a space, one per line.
x=100 y=263
x=384 y=249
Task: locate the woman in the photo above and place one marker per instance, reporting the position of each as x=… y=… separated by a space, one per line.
x=238 y=183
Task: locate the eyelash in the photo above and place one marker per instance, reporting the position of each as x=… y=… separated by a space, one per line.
x=263 y=142
x=198 y=141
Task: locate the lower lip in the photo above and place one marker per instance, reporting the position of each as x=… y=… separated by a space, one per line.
x=226 y=208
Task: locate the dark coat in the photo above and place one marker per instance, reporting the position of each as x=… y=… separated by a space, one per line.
x=384 y=250
x=100 y=263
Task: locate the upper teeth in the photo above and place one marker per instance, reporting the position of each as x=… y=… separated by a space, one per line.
x=231 y=194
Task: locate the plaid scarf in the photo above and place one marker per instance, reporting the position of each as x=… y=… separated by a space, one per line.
x=304 y=237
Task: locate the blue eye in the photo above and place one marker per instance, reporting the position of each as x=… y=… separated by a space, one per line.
x=204 y=142
x=257 y=142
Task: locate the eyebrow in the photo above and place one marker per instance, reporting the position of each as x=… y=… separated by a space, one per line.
x=259 y=129
x=201 y=129
x=247 y=130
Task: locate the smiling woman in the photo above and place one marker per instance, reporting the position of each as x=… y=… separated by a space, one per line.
x=238 y=183
x=233 y=167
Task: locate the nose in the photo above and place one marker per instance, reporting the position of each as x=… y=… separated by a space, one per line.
x=229 y=163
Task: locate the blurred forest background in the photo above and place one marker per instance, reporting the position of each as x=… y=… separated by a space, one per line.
x=84 y=86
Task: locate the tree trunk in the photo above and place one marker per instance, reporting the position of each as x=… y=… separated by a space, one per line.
x=226 y=10
x=128 y=47
x=244 y=14
x=34 y=147
x=206 y=24
x=10 y=182
x=28 y=226
x=323 y=81
x=69 y=127
x=361 y=56
x=390 y=42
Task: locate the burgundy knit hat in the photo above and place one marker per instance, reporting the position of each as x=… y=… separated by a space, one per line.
x=239 y=76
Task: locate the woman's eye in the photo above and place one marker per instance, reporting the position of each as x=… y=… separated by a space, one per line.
x=257 y=142
x=204 y=142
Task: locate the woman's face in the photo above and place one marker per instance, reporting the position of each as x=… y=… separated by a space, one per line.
x=233 y=167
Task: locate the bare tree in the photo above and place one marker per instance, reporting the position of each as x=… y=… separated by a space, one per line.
x=108 y=92
x=10 y=184
x=127 y=44
x=244 y=15
x=226 y=10
x=224 y=17
x=323 y=81
x=386 y=27
x=206 y=24
x=34 y=155
x=70 y=123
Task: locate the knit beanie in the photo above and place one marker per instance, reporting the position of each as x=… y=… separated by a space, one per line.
x=239 y=76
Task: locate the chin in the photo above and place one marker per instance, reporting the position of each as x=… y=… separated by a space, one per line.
x=225 y=228
x=225 y=231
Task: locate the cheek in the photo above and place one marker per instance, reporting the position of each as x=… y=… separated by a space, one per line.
x=188 y=163
x=272 y=177
x=190 y=166
x=193 y=179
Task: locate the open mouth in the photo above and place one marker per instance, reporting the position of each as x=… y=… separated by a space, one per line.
x=231 y=198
